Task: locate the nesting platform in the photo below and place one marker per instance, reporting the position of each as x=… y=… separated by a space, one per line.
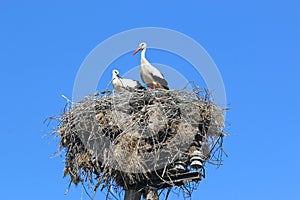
x=139 y=139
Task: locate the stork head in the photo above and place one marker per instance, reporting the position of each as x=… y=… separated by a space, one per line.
x=142 y=46
x=115 y=73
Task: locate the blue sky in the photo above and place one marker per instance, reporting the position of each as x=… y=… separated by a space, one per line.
x=255 y=45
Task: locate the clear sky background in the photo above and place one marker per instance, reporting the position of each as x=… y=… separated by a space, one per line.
x=255 y=45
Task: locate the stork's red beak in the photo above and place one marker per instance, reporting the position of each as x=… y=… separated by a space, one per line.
x=137 y=50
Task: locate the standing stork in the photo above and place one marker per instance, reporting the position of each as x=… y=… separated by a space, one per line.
x=150 y=75
x=120 y=83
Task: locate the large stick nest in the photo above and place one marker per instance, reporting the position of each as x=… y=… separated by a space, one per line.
x=129 y=139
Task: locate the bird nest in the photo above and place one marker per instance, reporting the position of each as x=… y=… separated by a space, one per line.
x=137 y=139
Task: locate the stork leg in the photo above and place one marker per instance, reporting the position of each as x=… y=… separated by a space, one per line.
x=154 y=87
x=148 y=87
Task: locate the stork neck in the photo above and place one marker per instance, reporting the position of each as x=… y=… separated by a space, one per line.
x=114 y=76
x=143 y=54
x=143 y=57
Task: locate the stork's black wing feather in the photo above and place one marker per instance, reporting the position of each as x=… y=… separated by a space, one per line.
x=139 y=86
x=162 y=82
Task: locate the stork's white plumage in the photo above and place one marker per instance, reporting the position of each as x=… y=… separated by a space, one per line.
x=120 y=83
x=150 y=75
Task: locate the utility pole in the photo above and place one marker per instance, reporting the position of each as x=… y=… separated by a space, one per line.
x=132 y=194
x=150 y=194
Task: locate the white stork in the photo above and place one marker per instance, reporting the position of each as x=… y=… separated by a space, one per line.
x=120 y=83
x=150 y=75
